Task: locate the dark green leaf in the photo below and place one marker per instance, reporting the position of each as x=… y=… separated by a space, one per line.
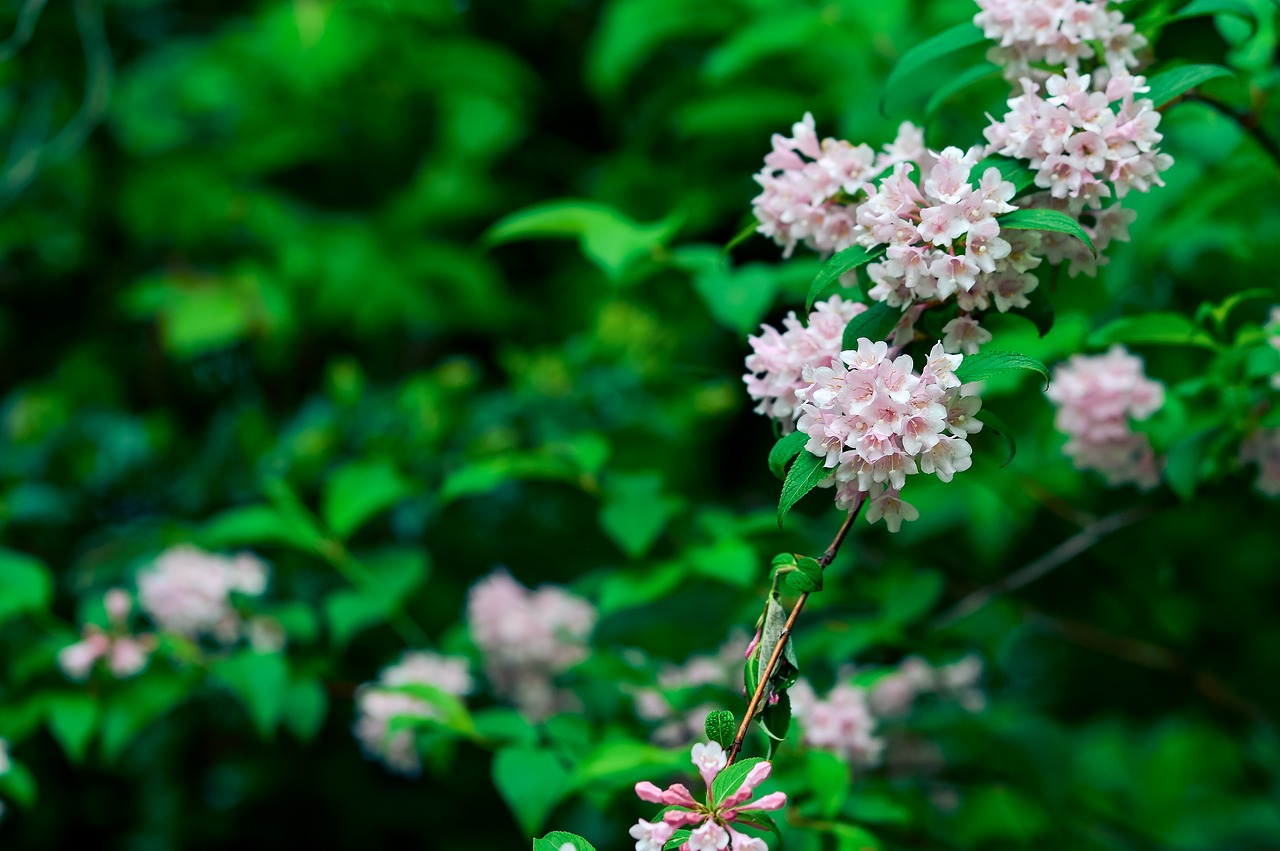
x=1050 y=220
x=1168 y=85
x=559 y=838
x=532 y=782
x=775 y=720
x=875 y=323
x=989 y=364
x=25 y=584
x=804 y=475
x=1039 y=310
x=840 y=264
x=721 y=727
x=784 y=450
x=806 y=577
x=957 y=84
x=928 y=52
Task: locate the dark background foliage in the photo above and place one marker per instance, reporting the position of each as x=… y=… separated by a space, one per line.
x=265 y=262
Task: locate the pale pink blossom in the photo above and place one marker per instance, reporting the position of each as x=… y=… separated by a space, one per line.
x=1098 y=397
x=380 y=702
x=123 y=653
x=527 y=637
x=189 y=591
x=1029 y=33
x=876 y=422
x=1263 y=449
x=841 y=722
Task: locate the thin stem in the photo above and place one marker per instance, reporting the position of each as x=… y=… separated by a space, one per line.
x=1046 y=564
x=828 y=555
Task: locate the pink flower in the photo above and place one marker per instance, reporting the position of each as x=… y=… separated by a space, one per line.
x=711 y=825
x=188 y=591
x=841 y=723
x=1097 y=397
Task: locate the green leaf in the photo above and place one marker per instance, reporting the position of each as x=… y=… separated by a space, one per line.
x=387 y=578
x=829 y=779
x=621 y=762
x=607 y=237
x=958 y=83
x=255 y=524
x=851 y=837
x=1202 y=8
x=1184 y=463
x=19 y=785
x=730 y=779
x=677 y=839
x=135 y=705
x=1160 y=329
x=451 y=713
x=559 y=838
x=73 y=718
x=775 y=720
x=927 y=53
x=760 y=820
x=784 y=674
x=1168 y=85
x=305 y=705
x=996 y=424
x=840 y=264
x=989 y=364
x=1039 y=310
x=721 y=727
x=784 y=450
x=1016 y=172
x=259 y=680
x=804 y=475
x=532 y=782
x=635 y=512
x=486 y=474
x=358 y=491
x=736 y=297
x=1050 y=220
x=806 y=577
x=875 y=323
x=25 y=585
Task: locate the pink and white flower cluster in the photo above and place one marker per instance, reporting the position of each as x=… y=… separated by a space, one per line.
x=809 y=185
x=1098 y=396
x=713 y=825
x=527 y=637
x=1263 y=448
x=1057 y=32
x=379 y=703
x=124 y=653
x=846 y=721
x=778 y=358
x=842 y=722
x=876 y=421
x=943 y=239
x=188 y=591
x=1084 y=134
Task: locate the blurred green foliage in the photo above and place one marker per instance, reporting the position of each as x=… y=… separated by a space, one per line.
x=294 y=293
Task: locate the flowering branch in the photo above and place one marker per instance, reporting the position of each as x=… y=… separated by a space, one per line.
x=828 y=555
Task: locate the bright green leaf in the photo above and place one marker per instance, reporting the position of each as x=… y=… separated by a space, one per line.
x=721 y=727
x=784 y=450
x=1050 y=220
x=635 y=511
x=1167 y=329
x=73 y=718
x=988 y=364
x=360 y=490
x=259 y=680
x=532 y=782
x=805 y=474
x=1168 y=85
x=25 y=584
x=928 y=52
x=840 y=264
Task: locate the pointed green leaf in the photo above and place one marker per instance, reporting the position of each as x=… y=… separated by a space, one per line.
x=721 y=727
x=806 y=577
x=560 y=838
x=1050 y=220
x=730 y=779
x=1155 y=329
x=784 y=450
x=988 y=364
x=840 y=264
x=360 y=490
x=805 y=475
x=875 y=323
x=532 y=782
x=1168 y=85
x=928 y=52
x=957 y=84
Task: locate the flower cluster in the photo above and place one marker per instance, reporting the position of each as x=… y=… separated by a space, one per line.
x=896 y=693
x=876 y=421
x=943 y=239
x=1057 y=32
x=125 y=654
x=380 y=702
x=1273 y=337
x=841 y=723
x=712 y=826
x=1087 y=133
x=527 y=637
x=778 y=358
x=809 y=186
x=189 y=592
x=1097 y=396
x=1263 y=448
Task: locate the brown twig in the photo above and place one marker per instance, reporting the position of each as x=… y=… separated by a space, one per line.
x=1046 y=564
x=828 y=555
